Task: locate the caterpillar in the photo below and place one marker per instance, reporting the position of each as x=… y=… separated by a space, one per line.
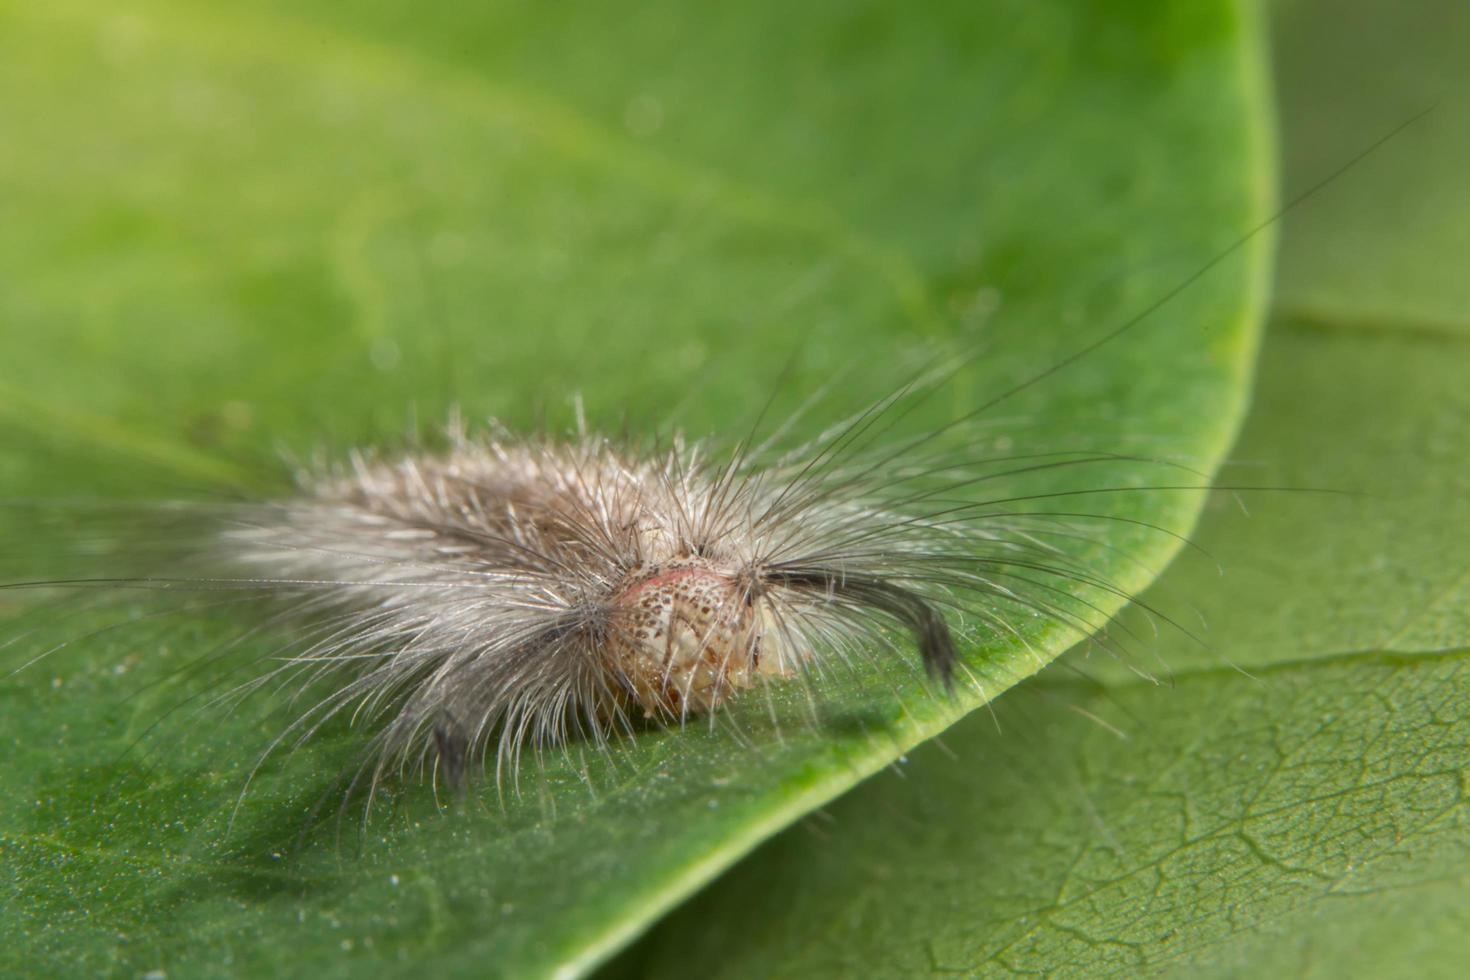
x=503 y=593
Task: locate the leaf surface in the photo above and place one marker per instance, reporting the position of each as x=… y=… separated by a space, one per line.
x=231 y=229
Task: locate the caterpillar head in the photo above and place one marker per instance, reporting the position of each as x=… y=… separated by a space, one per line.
x=689 y=633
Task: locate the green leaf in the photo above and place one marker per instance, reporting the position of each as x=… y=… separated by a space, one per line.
x=230 y=229
x=1293 y=802
x=1344 y=261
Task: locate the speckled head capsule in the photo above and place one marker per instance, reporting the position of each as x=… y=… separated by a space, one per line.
x=688 y=634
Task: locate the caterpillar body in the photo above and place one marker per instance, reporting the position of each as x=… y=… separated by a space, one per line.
x=503 y=593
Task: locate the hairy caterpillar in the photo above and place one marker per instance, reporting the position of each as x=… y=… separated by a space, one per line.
x=506 y=593
x=529 y=592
